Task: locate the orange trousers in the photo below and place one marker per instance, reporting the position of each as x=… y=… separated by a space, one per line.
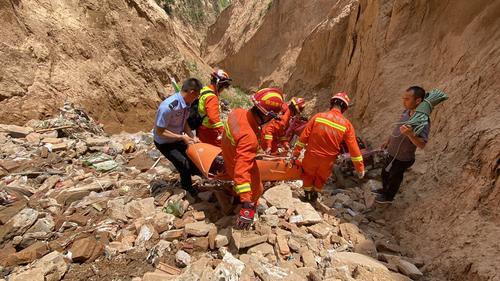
x=316 y=171
x=257 y=188
x=208 y=135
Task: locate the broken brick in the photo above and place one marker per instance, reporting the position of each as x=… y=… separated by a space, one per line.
x=200 y=228
x=308 y=258
x=181 y=223
x=171 y=235
x=244 y=240
x=199 y=215
x=33 y=252
x=83 y=249
x=212 y=235
x=282 y=245
x=172 y=270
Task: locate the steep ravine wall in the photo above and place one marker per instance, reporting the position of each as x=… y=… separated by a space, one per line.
x=113 y=57
x=447 y=211
x=258 y=41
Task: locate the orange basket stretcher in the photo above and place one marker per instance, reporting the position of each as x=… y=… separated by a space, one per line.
x=208 y=159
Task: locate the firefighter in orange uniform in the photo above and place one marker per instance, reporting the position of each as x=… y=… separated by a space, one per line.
x=274 y=133
x=211 y=128
x=239 y=149
x=322 y=138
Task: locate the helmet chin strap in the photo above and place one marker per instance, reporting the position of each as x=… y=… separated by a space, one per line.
x=217 y=85
x=260 y=116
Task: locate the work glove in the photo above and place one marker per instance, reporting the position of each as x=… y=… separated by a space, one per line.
x=292 y=161
x=296 y=152
x=361 y=174
x=281 y=150
x=245 y=218
x=286 y=146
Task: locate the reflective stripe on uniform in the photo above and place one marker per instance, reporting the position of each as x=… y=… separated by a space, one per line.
x=268 y=137
x=242 y=188
x=283 y=138
x=307 y=188
x=331 y=124
x=271 y=95
x=211 y=126
x=228 y=133
x=295 y=105
x=204 y=94
x=201 y=103
x=301 y=144
x=357 y=158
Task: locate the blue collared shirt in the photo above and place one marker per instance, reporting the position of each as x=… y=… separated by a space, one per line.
x=171 y=115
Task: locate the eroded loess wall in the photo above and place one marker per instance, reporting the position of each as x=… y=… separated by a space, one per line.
x=114 y=58
x=447 y=211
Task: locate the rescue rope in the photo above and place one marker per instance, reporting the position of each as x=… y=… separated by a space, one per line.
x=420 y=118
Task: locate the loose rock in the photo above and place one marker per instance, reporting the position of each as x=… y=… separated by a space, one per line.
x=197 y=228
x=279 y=196
x=182 y=258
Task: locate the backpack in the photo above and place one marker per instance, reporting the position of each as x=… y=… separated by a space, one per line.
x=195 y=119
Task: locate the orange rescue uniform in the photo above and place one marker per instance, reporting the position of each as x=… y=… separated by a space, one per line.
x=274 y=133
x=211 y=128
x=239 y=149
x=323 y=136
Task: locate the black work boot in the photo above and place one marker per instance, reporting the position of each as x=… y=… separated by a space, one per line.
x=378 y=191
x=193 y=192
x=310 y=196
x=382 y=199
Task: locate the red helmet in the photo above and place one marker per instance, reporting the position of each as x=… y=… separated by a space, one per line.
x=220 y=77
x=269 y=101
x=343 y=97
x=298 y=103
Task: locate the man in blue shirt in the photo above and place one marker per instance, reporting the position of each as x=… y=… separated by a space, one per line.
x=172 y=134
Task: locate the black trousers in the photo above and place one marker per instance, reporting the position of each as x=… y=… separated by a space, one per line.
x=392 y=179
x=176 y=153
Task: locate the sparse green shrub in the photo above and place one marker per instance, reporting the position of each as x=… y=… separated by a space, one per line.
x=167 y=5
x=223 y=4
x=269 y=5
x=237 y=98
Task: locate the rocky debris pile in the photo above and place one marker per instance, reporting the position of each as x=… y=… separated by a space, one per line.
x=106 y=207
x=72 y=122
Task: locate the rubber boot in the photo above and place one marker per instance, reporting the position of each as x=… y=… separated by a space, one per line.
x=310 y=196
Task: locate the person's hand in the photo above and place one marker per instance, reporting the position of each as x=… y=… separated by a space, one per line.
x=361 y=174
x=245 y=218
x=406 y=130
x=384 y=145
x=292 y=161
x=268 y=151
x=196 y=140
x=187 y=139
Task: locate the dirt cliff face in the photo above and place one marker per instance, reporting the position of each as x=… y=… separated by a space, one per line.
x=112 y=57
x=447 y=210
x=192 y=18
x=259 y=41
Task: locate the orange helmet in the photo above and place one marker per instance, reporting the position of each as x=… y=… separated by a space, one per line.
x=298 y=103
x=343 y=97
x=220 y=78
x=269 y=101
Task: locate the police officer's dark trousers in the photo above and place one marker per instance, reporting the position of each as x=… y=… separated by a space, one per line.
x=176 y=153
